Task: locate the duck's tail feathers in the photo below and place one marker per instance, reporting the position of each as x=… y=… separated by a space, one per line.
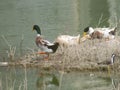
x=54 y=47
x=113 y=32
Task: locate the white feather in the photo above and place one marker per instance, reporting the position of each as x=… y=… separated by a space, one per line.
x=68 y=40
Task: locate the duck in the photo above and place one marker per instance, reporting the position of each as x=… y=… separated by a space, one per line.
x=100 y=33
x=108 y=32
x=109 y=62
x=45 y=46
x=68 y=40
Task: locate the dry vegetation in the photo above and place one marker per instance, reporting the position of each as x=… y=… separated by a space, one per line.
x=81 y=57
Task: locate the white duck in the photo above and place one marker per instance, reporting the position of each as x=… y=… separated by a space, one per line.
x=67 y=40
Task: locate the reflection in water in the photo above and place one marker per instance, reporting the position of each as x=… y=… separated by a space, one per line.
x=77 y=82
x=15 y=78
x=45 y=80
x=55 y=17
x=115 y=83
x=112 y=80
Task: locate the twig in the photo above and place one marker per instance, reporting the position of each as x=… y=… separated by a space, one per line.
x=7 y=87
x=25 y=81
x=20 y=87
x=13 y=86
x=44 y=85
x=100 y=19
x=11 y=52
x=61 y=75
x=6 y=40
x=21 y=44
x=0 y=82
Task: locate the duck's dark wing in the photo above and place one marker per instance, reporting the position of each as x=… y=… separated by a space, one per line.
x=53 y=47
x=104 y=63
x=113 y=32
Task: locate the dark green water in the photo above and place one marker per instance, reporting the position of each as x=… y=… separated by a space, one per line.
x=35 y=79
x=55 y=17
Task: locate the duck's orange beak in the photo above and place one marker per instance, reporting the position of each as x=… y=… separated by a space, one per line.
x=41 y=53
x=84 y=34
x=33 y=28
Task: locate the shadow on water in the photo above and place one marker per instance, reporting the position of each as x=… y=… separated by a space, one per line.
x=47 y=80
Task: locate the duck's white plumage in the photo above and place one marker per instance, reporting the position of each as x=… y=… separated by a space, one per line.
x=67 y=40
x=101 y=32
x=91 y=30
x=45 y=46
x=105 y=29
x=106 y=32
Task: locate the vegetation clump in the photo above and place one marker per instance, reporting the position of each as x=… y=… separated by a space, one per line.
x=81 y=57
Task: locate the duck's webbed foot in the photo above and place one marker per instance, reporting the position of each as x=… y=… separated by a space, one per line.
x=44 y=53
x=47 y=57
x=41 y=53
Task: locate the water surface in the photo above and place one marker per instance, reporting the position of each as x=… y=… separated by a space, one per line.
x=35 y=79
x=54 y=17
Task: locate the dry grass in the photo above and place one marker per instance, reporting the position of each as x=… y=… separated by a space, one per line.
x=91 y=51
x=81 y=57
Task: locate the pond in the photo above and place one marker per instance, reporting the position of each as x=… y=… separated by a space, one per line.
x=54 y=17
x=36 y=79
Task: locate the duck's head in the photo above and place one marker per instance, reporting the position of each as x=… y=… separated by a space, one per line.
x=113 y=58
x=88 y=30
x=36 y=27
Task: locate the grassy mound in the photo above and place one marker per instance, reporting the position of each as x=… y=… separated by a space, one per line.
x=80 y=57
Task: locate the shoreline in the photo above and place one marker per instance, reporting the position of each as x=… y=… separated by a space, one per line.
x=83 y=57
